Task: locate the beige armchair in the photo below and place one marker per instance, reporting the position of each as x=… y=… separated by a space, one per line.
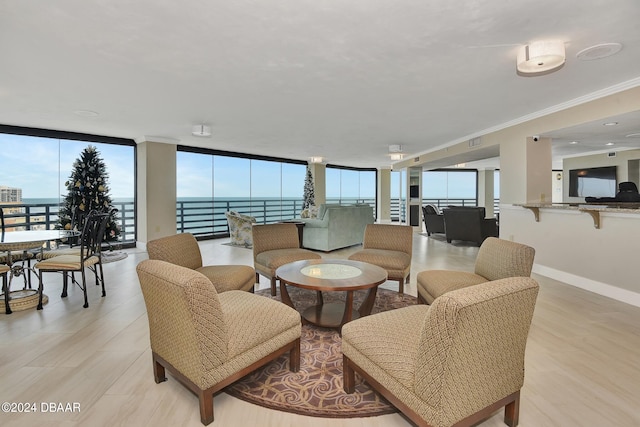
x=454 y=362
x=497 y=259
x=275 y=245
x=208 y=340
x=390 y=247
x=183 y=249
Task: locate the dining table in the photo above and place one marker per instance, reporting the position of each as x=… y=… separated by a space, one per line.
x=23 y=241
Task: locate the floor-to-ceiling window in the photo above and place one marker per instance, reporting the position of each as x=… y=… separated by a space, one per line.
x=457 y=187
x=350 y=185
x=210 y=183
x=37 y=163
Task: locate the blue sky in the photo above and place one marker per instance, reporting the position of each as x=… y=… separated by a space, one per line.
x=40 y=166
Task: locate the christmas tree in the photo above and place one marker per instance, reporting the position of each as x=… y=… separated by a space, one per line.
x=88 y=190
x=309 y=195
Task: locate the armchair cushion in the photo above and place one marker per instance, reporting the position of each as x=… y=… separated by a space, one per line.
x=387 y=259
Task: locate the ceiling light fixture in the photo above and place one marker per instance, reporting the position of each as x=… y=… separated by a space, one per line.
x=540 y=57
x=315 y=159
x=610 y=143
x=201 y=130
x=634 y=135
x=574 y=142
x=610 y=124
x=396 y=156
x=86 y=113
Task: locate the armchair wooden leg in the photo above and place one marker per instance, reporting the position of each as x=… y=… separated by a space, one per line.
x=348 y=376
x=401 y=287
x=158 y=371
x=512 y=412
x=294 y=357
x=257 y=277
x=273 y=286
x=206 y=406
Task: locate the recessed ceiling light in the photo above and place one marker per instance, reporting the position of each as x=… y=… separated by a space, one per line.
x=610 y=143
x=610 y=124
x=86 y=113
x=573 y=142
x=599 y=51
x=634 y=135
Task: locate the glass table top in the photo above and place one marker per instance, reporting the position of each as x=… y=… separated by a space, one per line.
x=331 y=271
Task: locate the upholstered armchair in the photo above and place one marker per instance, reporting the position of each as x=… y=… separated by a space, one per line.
x=497 y=259
x=208 y=340
x=452 y=363
x=183 y=249
x=433 y=219
x=468 y=223
x=275 y=245
x=240 y=228
x=389 y=247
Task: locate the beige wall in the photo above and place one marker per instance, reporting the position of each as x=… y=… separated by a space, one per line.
x=384 y=195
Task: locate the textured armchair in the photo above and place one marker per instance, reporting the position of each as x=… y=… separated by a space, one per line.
x=390 y=247
x=497 y=259
x=182 y=249
x=433 y=219
x=468 y=223
x=452 y=363
x=275 y=245
x=208 y=340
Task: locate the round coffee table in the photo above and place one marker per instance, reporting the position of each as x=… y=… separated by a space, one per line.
x=322 y=275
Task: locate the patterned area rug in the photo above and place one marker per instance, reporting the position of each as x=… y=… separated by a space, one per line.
x=316 y=390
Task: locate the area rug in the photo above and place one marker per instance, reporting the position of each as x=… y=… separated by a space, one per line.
x=316 y=390
x=113 y=256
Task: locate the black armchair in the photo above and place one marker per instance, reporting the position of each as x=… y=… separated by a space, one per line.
x=433 y=219
x=469 y=224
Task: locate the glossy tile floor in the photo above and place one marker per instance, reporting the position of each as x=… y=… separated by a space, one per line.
x=582 y=363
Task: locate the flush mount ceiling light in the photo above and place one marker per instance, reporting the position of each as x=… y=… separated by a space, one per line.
x=610 y=143
x=610 y=124
x=201 y=130
x=395 y=152
x=541 y=57
x=396 y=156
x=315 y=159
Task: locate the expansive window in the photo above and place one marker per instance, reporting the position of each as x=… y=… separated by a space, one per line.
x=212 y=183
x=37 y=163
x=345 y=185
x=450 y=187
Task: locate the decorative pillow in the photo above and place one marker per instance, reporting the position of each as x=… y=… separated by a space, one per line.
x=240 y=228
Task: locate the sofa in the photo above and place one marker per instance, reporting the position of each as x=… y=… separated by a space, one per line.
x=336 y=226
x=468 y=223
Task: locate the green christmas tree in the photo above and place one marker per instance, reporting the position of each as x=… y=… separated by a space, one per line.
x=309 y=193
x=88 y=190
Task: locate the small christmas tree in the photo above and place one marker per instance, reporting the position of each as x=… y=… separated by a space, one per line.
x=309 y=195
x=88 y=190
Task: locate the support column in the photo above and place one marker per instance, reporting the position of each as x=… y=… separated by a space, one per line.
x=156 y=190
x=525 y=171
x=485 y=191
x=383 y=195
x=319 y=172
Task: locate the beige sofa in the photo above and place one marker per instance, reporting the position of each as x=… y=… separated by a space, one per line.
x=336 y=227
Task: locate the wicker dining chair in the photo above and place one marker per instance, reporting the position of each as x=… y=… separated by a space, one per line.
x=88 y=258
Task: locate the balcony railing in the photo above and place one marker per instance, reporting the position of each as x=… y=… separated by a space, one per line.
x=203 y=218
x=44 y=216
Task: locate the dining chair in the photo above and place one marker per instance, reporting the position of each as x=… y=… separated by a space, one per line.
x=4 y=269
x=88 y=258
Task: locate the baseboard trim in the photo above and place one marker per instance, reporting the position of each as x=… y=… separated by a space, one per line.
x=600 y=288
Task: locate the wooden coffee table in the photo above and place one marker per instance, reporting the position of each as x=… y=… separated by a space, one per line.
x=322 y=275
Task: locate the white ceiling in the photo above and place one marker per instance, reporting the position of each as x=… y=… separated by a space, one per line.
x=341 y=79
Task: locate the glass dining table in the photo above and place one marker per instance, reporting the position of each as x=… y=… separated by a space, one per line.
x=23 y=241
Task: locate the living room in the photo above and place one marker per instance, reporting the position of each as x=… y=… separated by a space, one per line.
x=342 y=83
